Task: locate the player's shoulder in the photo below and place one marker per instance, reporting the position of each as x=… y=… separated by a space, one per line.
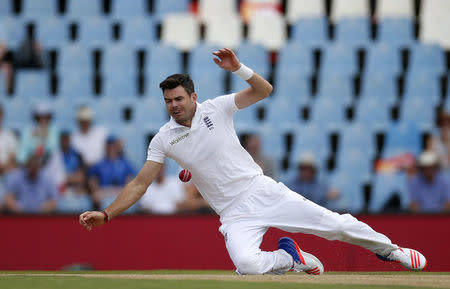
x=218 y=102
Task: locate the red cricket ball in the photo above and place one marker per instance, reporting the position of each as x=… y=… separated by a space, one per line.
x=185 y=175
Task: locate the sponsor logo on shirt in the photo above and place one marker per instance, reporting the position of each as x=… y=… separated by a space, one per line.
x=208 y=123
x=178 y=139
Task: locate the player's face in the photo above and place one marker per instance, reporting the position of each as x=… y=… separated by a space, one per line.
x=180 y=105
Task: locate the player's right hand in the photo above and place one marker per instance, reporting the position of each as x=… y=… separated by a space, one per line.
x=92 y=219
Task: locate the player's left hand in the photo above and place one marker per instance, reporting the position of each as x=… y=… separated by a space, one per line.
x=226 y=59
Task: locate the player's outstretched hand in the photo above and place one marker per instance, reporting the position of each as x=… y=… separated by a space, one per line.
x=226 y=59
x=92 y=219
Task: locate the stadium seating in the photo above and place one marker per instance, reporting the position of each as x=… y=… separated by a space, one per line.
x=350 y=190
x=162 y=8
x=382 y=58
x=229 y=35
x=349 y=8
x=379 y=85
x=339 y=59
x=353 y=31
x=310 y=31
x=14 y=30
x=434 y=21
x=181 y=30
x=395 y=9
x=268 y=30
x=310 y=138
x=94 y=32
x=336 y=88
x=391 y=84
x=386 y=186
x=428 y=58
x=6 y=9
x=32 y=84
x=138 y=32
x=77 y=9
x=299 y=9
x=128 y=9
x=403 y=137
x=422 y=84
x=294 y=58
x=328 y=113
x=256 y=57
x=38 y=9
x=373 y=113
x=52 y=32
x=209 y=10
x=396 y=32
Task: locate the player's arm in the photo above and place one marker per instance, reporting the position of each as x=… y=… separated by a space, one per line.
x=131 y=193
x=259 y=87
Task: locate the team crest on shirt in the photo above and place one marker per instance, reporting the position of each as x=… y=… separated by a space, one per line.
x=209 y=124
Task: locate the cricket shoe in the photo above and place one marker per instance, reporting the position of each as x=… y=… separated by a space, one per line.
x=303 y=262
x=408 y=258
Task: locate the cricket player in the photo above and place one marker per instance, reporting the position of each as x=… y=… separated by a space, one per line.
x=201 y=138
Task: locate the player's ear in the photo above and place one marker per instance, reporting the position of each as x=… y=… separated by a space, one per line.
x=194 y=96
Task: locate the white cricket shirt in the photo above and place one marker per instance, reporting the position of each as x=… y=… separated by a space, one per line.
x=210 y=149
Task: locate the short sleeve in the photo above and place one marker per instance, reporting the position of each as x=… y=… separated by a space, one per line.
x=226 y=103
x=155 y=150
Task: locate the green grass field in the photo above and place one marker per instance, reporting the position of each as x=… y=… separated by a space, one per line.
x=217 y=280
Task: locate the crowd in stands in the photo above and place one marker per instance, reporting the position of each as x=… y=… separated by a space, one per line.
x=358 y=121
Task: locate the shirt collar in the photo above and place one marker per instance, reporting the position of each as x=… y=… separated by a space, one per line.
x=195 y=119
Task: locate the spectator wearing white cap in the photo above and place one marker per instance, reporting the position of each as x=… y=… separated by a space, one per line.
x=42 y=138
x=307 y=182
x=89 y=140
x=8 y=147
x=430 y=188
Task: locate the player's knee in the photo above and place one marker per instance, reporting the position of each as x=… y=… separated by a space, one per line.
x=249 y=265
x=343 y=226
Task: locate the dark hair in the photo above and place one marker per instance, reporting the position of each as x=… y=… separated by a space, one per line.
x=176 y=80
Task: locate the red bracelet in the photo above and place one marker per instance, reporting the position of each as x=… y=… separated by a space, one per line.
x=106 y=219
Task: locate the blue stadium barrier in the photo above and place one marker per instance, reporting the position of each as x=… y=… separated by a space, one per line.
x=328 y=113
x=14 y=30
x=422 y=84
x=339 y=59
x=119 y=58
x=337 y=88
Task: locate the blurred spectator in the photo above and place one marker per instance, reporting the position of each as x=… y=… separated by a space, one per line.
x=6 y=66
x=42 y=138
x=429 y=189
x=30 y=190
x=252 y=144
x=29 y=54
x=163 y=195
x=440 y=144
x=107 y=177
x=8 y=147
x=307 y=182
x=89 y=140
x=194 y=202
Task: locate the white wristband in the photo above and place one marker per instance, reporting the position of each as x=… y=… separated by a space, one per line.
x=244 y=72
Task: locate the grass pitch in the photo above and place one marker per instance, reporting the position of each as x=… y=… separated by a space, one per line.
x=218 y=280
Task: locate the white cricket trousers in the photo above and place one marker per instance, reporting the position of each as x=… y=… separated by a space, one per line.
x=272 y=204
